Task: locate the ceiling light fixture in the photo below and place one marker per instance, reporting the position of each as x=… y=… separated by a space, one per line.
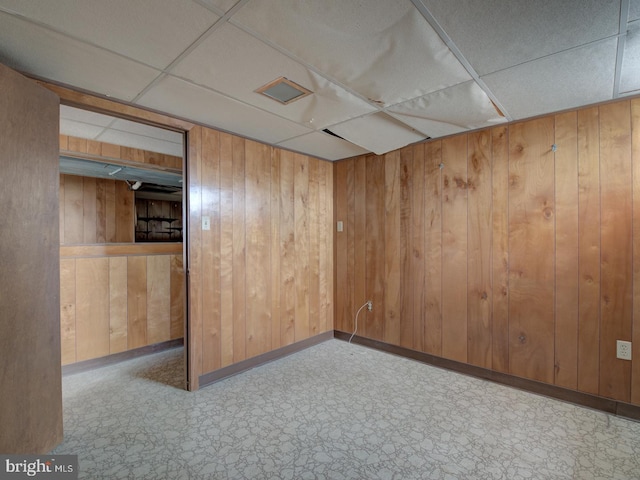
x=133 y=186
x=283 y=90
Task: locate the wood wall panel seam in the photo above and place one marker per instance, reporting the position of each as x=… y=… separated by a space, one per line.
x=589 y=250
x=567 y=242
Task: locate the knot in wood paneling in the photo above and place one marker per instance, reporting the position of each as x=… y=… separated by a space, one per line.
x=476 y=163
x=460 y=183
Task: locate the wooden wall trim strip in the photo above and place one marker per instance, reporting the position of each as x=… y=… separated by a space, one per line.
x=117 y=250
x=243 y=366
x=94 y=363
x=614 y=407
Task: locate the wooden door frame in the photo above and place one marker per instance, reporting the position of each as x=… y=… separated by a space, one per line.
x=88 y=101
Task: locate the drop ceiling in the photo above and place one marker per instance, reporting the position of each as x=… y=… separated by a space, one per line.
x=104 y=128
x=384 y=73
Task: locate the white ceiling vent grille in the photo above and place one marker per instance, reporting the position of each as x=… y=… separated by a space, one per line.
x=283 y=90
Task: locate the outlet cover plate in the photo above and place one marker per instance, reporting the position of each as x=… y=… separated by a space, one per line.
x=623 y=350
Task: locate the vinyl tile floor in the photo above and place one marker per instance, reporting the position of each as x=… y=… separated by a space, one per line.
x=333 y=411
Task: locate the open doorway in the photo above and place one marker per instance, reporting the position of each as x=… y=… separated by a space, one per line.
x=121 y=239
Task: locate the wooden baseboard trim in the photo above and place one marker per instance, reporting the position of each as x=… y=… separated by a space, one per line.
x=243 y=366
x=86 y=365
x=615 y=407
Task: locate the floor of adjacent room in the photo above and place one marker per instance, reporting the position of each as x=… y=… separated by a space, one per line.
x=333 y=411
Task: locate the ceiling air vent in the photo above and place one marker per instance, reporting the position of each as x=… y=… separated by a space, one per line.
x=283 y=90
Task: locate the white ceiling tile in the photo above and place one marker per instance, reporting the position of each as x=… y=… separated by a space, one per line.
x=185 y=100
x=148 y=131
x=84 y=116
x=323 y=145
x=150 y=31
x=453 y=110
x=132 y=140
x=566 y=80
x=250 y=64
x=634 y=10
x=86 y=124
x=79 y=129
x=385 y=51
x=630 y=72
x=494 y=34
x=41 y=52
x=221 y=6
x=378 y=133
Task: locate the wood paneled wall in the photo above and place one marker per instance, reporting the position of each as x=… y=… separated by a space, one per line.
x=95 y=210
x=117 y=302
x=261 y=277
x=496 y=249
x=93 y=147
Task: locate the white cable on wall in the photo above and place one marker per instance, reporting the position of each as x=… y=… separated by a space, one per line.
x=369 y=305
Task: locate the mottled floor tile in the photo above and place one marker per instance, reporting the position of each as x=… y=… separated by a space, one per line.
x=334 y=411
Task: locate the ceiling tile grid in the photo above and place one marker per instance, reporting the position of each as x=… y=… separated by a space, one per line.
x=378 y=133
x=78 y=129
x=494 y=35
x=220 y=6
x=383 y=50
x=48 y=54
x=250 y=64
x=634 y=10
x=323 y=145
x=104 y=128
x=630 y=70
x=452 y=110
x=152 y=32
x=566 y=80
x=84 y=116
x=147 y=131
x=382 y=74
x=178 y=97
x=143 y=142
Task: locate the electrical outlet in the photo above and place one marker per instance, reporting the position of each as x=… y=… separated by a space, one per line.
x=623 y=350
x=369 y=305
